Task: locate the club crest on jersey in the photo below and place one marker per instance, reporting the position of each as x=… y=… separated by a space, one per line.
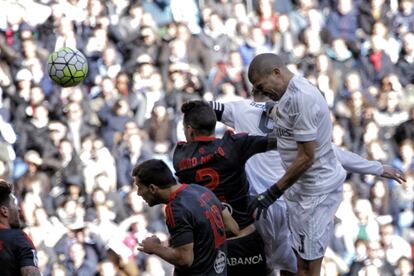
x=220 y=262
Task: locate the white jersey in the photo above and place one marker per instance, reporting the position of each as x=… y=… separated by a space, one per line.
x=265 y=169
x=303 y=115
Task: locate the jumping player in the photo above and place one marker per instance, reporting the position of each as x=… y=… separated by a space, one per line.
x=193 y=217
x=303 y=127
x=218 y=164
x=17 y=252
x=264 y=169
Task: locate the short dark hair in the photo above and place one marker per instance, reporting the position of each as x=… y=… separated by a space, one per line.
x=200 y=116
x=155 y=172
x=5 y=192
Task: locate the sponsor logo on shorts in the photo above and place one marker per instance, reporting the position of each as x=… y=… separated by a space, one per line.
x=252 y=260
x=220 y=262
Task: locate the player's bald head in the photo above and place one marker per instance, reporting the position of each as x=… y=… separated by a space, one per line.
x=264 y=64
x=269 y=75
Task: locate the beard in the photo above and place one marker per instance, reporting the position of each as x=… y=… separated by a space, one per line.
x=14 y=221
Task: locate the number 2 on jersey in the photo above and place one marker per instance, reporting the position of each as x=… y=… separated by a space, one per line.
x=202 y=174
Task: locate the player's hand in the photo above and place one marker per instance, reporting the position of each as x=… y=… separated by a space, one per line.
x=149 y=244
x=260 y=204
x=393 y=173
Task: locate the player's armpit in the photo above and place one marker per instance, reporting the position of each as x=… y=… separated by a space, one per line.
x=231 y=226
x=30 y=271
x=303 y=161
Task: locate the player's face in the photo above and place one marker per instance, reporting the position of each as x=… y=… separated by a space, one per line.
x=271 y=85
x=14 y=218
x=146 y=193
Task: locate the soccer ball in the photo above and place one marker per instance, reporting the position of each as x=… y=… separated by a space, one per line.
x=67 y=67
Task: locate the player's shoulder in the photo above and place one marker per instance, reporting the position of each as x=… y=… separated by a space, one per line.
x=18 y=237
x=230 y=135
x=301 y=86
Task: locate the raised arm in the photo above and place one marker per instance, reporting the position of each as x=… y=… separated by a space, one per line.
x=355 y=163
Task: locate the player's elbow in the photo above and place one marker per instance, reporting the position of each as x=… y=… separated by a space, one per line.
x=308 y=160
x=186 y=260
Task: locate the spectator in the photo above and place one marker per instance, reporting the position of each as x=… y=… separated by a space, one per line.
x=404 y=19
x=342 y=21
x=394 y=246
x=79 y=262
x=376 y=64
x=372 y=11
x=405 y=63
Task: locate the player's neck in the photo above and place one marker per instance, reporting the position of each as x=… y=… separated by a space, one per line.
x=170 y=193
x=4 y=224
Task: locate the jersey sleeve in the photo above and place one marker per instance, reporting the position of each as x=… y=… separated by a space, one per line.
x=25 y=250
x=225 y=112
x=248 y=145
x=305 y=117
x=355 y=163
x=179 y=225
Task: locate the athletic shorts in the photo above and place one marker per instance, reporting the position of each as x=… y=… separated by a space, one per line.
x=275 y=231
x=245 y=256
x=311 y=220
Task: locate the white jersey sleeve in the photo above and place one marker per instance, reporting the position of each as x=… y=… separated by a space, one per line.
x=305 y=114
x=355 y=163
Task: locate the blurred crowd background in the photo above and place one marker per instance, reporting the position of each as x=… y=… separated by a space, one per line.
x=70 y=151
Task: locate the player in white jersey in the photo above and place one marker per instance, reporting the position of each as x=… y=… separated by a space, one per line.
x=265 y=169
x=303 y=127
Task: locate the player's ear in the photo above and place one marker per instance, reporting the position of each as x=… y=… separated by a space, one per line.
x=152 y=188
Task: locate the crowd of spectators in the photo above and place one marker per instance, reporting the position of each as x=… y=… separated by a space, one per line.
x=70 y=151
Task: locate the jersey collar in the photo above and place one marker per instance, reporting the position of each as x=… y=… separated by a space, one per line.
x=173 y=195
x=204 y=138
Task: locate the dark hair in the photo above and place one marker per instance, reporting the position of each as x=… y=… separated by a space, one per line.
x=155 y=172
x=200 y=116
x=5 y=192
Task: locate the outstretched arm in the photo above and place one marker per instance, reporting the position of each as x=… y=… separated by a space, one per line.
x=355 y=163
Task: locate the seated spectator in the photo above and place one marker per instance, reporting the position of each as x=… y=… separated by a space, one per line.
x=79 y=262
x=404 y=267
x=342 y=21
x=373 y=264
x=394 y=246
x=113 y=122
x=372 y=11
x=376 y=64
x=405 y=63
x=132 y=153
x=383 y=202
x=255 y=44
x=404 y=19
